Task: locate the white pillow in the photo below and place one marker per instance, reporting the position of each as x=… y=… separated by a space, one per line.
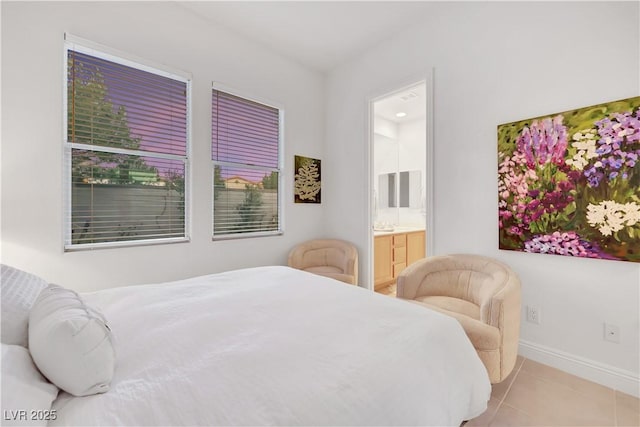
x=19 y=290
x=70 y=342
x=26 y=394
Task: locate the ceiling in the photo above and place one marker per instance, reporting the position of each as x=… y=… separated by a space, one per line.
x=317 y=34
x=411 y=101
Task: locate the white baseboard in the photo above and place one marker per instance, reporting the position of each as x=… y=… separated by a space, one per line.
x=609 y=376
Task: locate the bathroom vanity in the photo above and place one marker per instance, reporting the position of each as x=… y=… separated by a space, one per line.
x=393 y=251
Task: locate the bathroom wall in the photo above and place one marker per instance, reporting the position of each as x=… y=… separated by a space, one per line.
x=399 y=147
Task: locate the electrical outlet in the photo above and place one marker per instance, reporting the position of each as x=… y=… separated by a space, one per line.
x=533 y=314
x=611 y=333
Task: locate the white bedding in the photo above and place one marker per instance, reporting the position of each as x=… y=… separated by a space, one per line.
x=277 y=346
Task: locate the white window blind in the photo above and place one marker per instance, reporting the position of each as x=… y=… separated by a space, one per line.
x=246 y=139
x=126 y=151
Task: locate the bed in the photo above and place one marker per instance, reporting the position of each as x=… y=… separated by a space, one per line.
x=278 y=346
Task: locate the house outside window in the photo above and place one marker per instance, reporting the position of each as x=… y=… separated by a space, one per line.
x=126 y=150
x=246 y=141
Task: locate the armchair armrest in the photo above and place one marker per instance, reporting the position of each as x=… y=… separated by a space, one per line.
x=414 y=281
x=410 y=279
x=504 y=314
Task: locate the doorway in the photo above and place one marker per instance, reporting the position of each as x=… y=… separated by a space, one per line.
x=400 y=182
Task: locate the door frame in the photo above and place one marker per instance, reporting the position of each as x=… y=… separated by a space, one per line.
x=427 y=79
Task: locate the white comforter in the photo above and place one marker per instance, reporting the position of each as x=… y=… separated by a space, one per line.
x=277 y=346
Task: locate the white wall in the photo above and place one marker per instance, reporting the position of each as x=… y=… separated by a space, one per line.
x=412 y=154
x=495 y=63
x=166 y=33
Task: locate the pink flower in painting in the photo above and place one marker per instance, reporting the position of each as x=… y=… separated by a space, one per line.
x=516 y=230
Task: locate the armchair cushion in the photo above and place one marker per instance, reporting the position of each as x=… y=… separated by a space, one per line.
x=324 y=269
x=452 y=304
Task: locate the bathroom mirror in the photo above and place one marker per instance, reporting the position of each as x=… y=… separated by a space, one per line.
x=410 y=189
x=387 y=190
x=400 y=189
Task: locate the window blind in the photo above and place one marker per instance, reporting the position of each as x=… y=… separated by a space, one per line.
x=245 y=147
x=126 y=148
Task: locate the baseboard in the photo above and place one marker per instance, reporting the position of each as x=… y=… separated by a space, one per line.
x=609 y=376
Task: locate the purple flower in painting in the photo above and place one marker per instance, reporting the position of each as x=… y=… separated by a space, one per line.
x=537 y=214
x=565 y=186
x=593 y=176
x=573 y=175
x=554 y=199
x=545 y=141
x=533 y=204
x=615 y=163
x=594 y=181
x=533 y=193
x=564 y=243
x=618 y=147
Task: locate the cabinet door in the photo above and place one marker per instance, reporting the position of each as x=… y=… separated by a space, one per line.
x=399 y=240
x=383 y=259
x=399 y=255
x=397 y=269
x=415 y=246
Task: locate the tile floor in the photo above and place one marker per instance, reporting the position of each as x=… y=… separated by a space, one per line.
x=539 y=395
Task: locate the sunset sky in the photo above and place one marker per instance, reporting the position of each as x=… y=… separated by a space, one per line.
x=157 y=115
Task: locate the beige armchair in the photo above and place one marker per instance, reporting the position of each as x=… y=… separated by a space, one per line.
x=327 y=257
x=482 y=293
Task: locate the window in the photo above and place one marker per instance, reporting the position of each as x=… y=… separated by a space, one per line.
x=245 y=148
x=126 y=151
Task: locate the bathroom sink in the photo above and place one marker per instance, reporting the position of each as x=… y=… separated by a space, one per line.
x=384 y=228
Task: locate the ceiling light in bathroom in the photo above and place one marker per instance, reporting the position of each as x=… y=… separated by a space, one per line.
x=401 y=114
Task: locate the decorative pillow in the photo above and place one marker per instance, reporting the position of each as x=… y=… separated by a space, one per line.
x=19 y=291
x=70 y=342
x=26 y=394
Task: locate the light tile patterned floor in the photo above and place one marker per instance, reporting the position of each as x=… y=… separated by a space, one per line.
x=539 y=395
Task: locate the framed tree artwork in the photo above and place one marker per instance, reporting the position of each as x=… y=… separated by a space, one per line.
x=569 y=183
x=307 y=180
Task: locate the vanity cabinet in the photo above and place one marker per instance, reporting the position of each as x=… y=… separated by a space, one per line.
x=393 y=252
x=382 y=260
x=415 y=246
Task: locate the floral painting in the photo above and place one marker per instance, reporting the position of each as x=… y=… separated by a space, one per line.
x=569 y=183
x=307 y=180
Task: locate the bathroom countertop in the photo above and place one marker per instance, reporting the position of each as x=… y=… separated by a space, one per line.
x=398 y=230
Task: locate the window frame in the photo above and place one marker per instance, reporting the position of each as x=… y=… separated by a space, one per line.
x=77 y=44
x=217 y=86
